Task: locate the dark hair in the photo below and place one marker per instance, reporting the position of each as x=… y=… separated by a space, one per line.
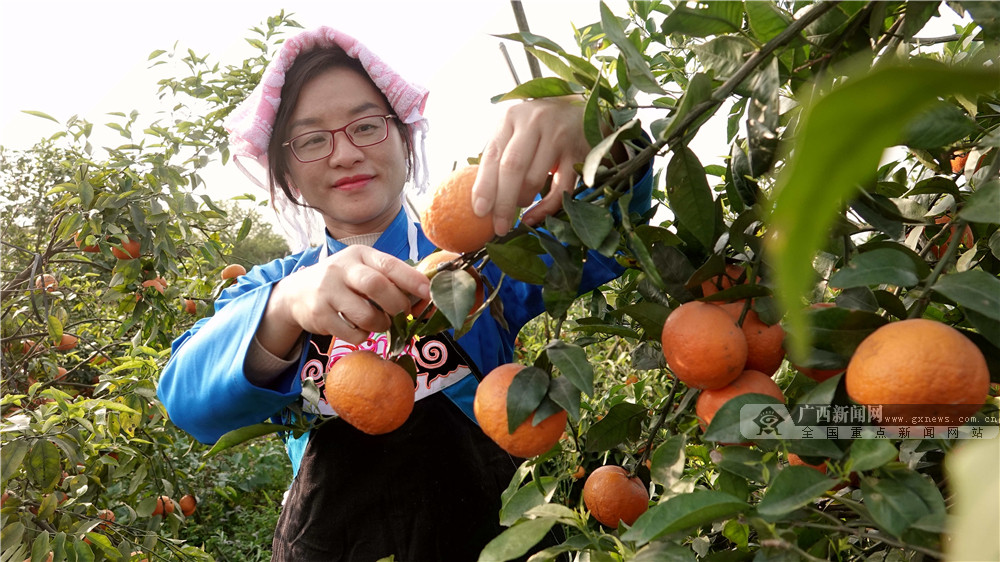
x=306 y=67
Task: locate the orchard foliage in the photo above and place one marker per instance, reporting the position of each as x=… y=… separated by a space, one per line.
x=804 y=198
x=132 y=242
x=852 y=146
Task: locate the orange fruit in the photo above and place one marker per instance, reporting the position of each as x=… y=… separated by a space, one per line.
x=60 y=373
x=79 y=244
x=490 y=408
x=67 y=342
x=765 y=350
x=918 y=362
x=958 y=161
x=579 y=473
x=46 y=282
x=724 y=281
x=190 y=306
x=449 y=221
x=429 y=267
x=703 y=346
x=156 y=283
x=188 y=504
x=369 y=392
x=129 y=250
x=795 y=460
x=233 y=270
x=164 y=506
x=106 y=515
x=749 y=382
x=612 y=496
x=968 y=240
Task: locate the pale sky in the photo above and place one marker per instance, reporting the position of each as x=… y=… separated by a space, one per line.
x=89 y=58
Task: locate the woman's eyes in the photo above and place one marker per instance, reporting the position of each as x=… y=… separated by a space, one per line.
x=311 y=140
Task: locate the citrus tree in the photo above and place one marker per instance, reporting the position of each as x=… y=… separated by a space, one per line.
x=851 y=226
x=109 y=253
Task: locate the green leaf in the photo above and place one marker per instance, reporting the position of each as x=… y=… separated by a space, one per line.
x=516 y=540
x=877 y=267
x=940 y=125
x=690 y=196
x=723 y=55
x=766 y=20
x=699 y=90
x=539 y=88
x=592 y=119
x=591 y=223
x=13 y=455
x=983 y=205
x=592 y=163
x=453 y=291
x=704 y=19
x=668 y=461
x=649 y=315
x=841 y=330
x=517 y=262
x=524 y=395
x=725 y=426
x=836 y=148
x=868 y=454
x=40 y=114
x=566 y=395
x=896 y=503
x=684 y=512
x=792 y=488
x=974 y=289
x=43 y=465
x=573 y=363
x=623 y=422
x=532 y=495
x=243 y=434
x=637 y=66
x=763 y=114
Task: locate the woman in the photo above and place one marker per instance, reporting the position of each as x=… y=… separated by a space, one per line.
x=344 y=139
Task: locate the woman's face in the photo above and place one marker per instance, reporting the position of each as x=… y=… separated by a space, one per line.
x=357 y=189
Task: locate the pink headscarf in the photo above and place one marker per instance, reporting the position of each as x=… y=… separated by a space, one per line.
x=251 y=123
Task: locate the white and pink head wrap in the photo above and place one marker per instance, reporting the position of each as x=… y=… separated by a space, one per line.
x=251 y=123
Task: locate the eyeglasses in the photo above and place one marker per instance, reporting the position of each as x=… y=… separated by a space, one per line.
x=317 y=145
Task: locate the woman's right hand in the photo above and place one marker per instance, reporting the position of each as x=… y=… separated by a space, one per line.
x=365 y=286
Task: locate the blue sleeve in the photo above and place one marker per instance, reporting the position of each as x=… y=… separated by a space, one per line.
x=203 y=386
x=523 y=301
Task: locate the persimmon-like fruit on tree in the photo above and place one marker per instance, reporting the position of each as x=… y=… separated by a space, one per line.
x=703 y=346
x=529 y=439
x=449 y=221
x=613 y=496
x=232 y=271
x=918 y=367
x=371 y=393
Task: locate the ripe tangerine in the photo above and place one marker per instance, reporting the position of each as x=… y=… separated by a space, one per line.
x=164 y=506
x=232 y=271
x=130 y=249
x=188 y=504
x=612 y=496
x=429 y=267
x=703 y=346
x=765 y=349
x=926 y=365
x=490 y=408
x=369 y=392
x=47 y=282
x=749 y=382
x=449 y=221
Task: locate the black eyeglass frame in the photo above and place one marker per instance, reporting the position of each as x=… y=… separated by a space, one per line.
x=333 y=137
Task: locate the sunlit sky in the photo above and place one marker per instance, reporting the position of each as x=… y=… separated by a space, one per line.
x=90 y=58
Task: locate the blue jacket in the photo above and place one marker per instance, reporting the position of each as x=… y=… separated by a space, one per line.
x=206 y=393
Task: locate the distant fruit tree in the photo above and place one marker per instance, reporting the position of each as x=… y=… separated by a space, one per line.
x=725 y=398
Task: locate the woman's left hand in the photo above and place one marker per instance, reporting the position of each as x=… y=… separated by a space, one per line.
x=535 y=138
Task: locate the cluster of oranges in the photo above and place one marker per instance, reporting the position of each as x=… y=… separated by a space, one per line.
x=707 y=347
